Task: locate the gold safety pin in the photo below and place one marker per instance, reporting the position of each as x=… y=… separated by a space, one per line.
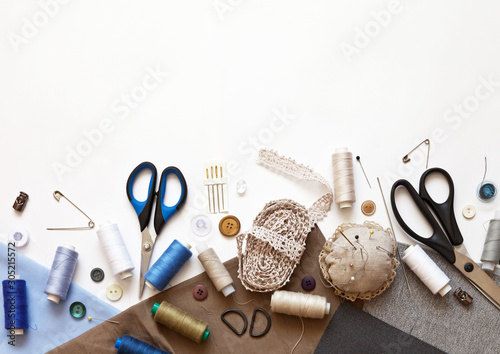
x=427 y=142
x=58 y=195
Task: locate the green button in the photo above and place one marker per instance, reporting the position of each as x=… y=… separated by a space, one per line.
x=77 y=310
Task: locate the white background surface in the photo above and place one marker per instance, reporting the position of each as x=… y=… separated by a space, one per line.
x=229 y=74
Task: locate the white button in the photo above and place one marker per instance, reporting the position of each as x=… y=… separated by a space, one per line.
x=20 y=237
x=114 y=292
x=469 y=211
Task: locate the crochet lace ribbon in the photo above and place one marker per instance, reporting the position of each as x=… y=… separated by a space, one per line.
x=270 y=251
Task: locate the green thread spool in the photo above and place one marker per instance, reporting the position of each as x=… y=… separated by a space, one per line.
x=180 y=321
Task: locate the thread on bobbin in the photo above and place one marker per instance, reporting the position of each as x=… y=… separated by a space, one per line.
x=428 y=271
x=298 y=304
x=113 y=246
x=61 y=273
x=129 y=344
x=168 y=265
x=491 y=251
x=180 y=321
x=216 y=271
x=15 y=304
x=343 y=178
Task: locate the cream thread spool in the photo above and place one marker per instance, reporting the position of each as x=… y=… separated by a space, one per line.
x=116 y=252
x=491 y=251
x=343 y=178
x=298 y=304
x=215 y=269
x=427 y=271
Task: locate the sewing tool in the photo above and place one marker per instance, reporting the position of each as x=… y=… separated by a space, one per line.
x=61 y=273
x=20 y=237
x=113 y=246
x=243 y=317
x=57 y=196
x=487 y=190
x=343 y=178
x=298 y=304
x=427 y=142
x=162 y=212
x=491 y=251
x=90 y=318
x=181 y=322
x=245 y=321
x=448 y=240
x=270 y=251
x=20 y=201
x=366 y=177
x=216 y=271
x=201 y=225
x=215 y=182
x=15 y=304
x=131 y=345
x=427 y=271
x=463 y=297
x=168 y=265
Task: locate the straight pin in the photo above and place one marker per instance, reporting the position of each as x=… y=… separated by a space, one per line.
x=359 y=160
x=347 y=239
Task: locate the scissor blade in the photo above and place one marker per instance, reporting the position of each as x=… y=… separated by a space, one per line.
x=478 y=278
x=146 y=251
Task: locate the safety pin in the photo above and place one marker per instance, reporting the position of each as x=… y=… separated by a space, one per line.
x=58 y=195
x=427 y=142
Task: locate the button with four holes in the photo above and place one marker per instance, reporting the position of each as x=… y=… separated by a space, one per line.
x=229 y=225
x=200 y=292
x=308 y=283
x=77 y=310
x=114 y=292
x=97 y=274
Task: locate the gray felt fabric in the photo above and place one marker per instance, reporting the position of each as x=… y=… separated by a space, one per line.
x=440 y=321
x=353 y=331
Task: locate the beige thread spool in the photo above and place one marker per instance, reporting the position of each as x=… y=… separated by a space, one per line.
x=343 y=178
x=215 y=269
x=298 y=304
x=180 y=321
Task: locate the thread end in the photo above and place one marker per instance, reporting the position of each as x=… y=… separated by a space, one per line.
x=327 y=308
x=344 y=205
x=205 y=335
x=228 y=290
x=445 y=290
x=18 y=331
x=155 y=308
x=125 y=275
x=201 y=247
x=488 y=266
x=151 y=286
x=118 y=343
x=53 y=298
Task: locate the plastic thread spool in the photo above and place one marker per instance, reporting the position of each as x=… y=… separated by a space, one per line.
x=343 y=178
x=299 y=304
x=133 y=345
x=201 y=225
x=20 y=237
x=428 y=271
x=181 y=322
x=61 y=273
x=491 y=251
x=486 y=191
x=113 y=246
x=168 y=265
x=15 y=304
x=215 y=269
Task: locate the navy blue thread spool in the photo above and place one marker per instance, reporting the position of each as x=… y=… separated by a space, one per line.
x=133 y=345
x=486 y=191
x=61 y=273
x=168 y=265
x=15 y=304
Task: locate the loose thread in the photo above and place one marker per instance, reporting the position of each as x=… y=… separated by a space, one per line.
x=242 y=303
x=301 y=335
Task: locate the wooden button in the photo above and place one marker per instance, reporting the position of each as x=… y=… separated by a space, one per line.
x=229 y=225
x=368 y=208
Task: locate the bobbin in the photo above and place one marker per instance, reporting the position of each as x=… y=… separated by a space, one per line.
x=212 y=273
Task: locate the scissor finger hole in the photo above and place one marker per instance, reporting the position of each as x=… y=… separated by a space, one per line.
x=140 y=187
x=437 y=186
x=411 y=214
x=173 y=190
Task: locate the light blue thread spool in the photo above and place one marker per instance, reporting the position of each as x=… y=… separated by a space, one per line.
x=61 y=273
x=168 y=265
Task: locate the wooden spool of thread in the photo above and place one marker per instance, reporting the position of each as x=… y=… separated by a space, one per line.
x=298 y=304
x=215 y=269
x=180 y=321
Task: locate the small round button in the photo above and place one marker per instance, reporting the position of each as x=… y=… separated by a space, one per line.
x=97 y=274
x=229 y=225
x=200 y=292
x=201 y=225
x=308 y=283
x=114 y=292
x=77 y=310
x=469 y=211
x=241 y=186
x=368 y=208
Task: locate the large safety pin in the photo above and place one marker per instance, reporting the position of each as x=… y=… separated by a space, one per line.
x=58 y=195
x=427 y=142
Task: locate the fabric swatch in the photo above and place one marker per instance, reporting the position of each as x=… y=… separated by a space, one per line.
x=352 y=330
x=440 y=321
x=50 y=324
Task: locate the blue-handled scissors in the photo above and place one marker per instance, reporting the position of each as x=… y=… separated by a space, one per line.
x=162 y=212
x=446 y=240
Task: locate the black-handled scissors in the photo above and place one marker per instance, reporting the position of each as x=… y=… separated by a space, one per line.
x=446 y=240
x=162 y=212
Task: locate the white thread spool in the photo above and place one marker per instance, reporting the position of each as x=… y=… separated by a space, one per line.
x=428 y=271
x=343 y=178
x=118 y=257
x=491 y=249
x=215 y=269
x=298 y=304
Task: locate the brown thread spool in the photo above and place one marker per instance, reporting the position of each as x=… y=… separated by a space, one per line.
x=181 y=322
